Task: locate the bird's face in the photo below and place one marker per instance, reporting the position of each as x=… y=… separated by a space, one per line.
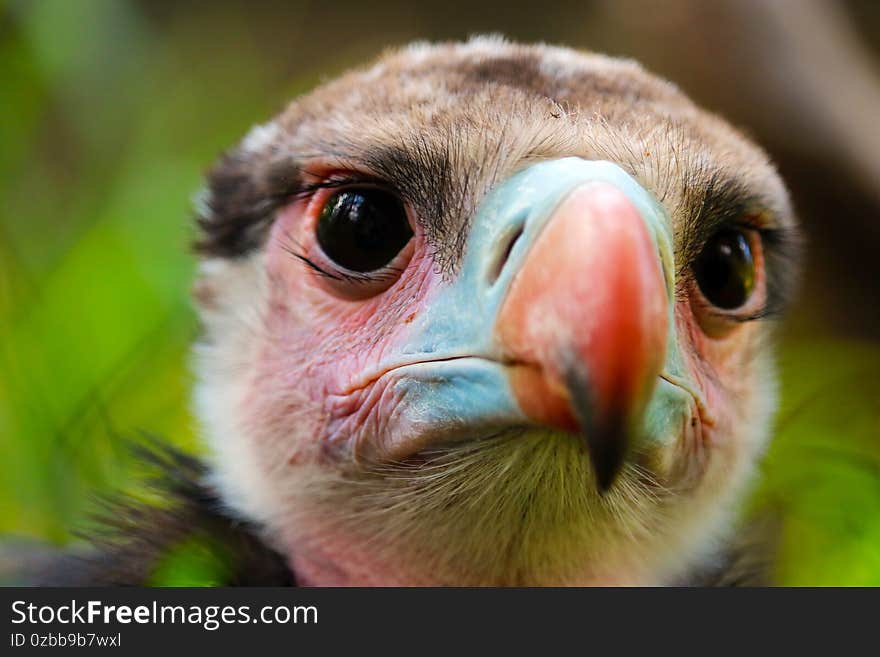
x=490 y=314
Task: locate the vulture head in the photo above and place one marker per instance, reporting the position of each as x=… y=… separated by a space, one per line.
x=494 y=314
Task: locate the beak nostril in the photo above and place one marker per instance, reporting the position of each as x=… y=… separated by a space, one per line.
x=507 y=244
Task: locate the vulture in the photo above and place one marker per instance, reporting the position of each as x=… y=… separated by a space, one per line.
x=477 y=314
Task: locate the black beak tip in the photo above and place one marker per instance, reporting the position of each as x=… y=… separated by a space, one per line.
x=607 y=454
x=606 y=437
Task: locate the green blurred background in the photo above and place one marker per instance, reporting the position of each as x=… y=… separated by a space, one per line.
x=111 y=110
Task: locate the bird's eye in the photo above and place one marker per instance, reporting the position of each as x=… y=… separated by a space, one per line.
x=725 y=269
x=363 y=229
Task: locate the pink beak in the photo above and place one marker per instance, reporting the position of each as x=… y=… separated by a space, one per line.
x=585 y=323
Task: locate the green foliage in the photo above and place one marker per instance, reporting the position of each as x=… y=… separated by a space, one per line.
x=195 y=562
x=821 y=477
x=105 y=129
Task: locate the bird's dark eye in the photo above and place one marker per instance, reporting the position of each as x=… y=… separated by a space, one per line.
x=363 y=229
x=725 y=269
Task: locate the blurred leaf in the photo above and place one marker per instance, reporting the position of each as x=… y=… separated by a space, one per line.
x=194 y=562
x=821 y=477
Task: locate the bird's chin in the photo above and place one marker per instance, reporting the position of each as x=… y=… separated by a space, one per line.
x=517 y=507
